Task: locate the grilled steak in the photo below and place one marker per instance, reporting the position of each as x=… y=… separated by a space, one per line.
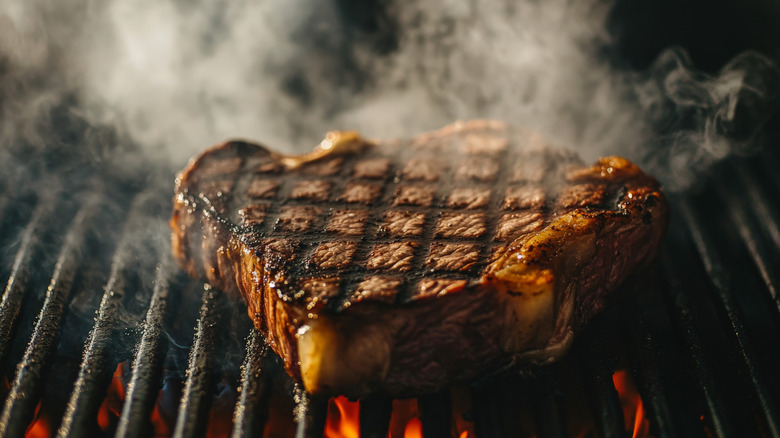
x=402 y=266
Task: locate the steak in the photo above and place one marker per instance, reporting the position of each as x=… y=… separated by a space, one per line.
x=403 y=266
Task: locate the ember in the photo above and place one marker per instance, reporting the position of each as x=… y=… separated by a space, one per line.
x=343 y=419
x=108 y=415
x=633 y=408
x=40 y=426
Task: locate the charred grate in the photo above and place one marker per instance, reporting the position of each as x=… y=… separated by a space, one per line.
x=698 y=337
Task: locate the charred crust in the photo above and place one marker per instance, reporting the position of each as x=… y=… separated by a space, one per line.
x=354 y=252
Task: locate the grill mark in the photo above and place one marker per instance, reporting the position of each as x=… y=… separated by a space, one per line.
x=357 y=271
x=442 y=188
x=494 y=211
x=306 y=242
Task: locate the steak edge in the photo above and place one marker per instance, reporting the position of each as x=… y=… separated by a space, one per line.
x=403 y=266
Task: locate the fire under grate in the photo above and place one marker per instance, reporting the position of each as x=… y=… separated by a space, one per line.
x=101 y=335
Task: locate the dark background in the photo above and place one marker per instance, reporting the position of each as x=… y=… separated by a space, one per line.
x=712 y=31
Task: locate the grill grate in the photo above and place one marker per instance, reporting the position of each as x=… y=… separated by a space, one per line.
x=700 y=346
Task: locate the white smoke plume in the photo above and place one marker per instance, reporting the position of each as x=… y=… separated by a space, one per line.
x=175 y=77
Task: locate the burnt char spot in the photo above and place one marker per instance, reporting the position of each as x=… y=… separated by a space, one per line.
x=253 y=214
x=325 y=167
x=484 y=144
x=421 y=169
x=531 y=169
x=376 y=288
x=374 y=168
x=414 y=195
x=523 y=197
x=396 y=256
x=348 y=222
x=468 y=226
x=222 y=166
x=457 y=257
x=582 y=195
x=262 y=188
x=477 y=168
x=334 y=254
x=402 y=223
x=513 y=225
x=318 y=291
x=361 y=193
x=437 y=287
x=470 y=198
x=297 y=219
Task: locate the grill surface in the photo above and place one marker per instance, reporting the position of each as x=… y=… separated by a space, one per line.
x=697 y=332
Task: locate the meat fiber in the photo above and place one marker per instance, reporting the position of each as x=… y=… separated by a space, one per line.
x=403 y=266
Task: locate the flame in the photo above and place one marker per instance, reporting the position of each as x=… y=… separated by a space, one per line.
x=162 y=426
x=343 y=418
x=633 y=408
x=111 y=408
x=413 y=429
x=40 y=427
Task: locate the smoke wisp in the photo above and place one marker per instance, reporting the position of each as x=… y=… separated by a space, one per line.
x=175 y=77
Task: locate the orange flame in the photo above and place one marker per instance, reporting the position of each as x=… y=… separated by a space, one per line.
x=110 y=409
x=343 y=418
x=633 y=408
x=40 y=427
x=162 y=426
x=413 y=429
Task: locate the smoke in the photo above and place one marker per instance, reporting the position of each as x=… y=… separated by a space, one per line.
x=174 y=77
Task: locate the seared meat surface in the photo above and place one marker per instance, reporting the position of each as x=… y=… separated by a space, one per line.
x=403 y=266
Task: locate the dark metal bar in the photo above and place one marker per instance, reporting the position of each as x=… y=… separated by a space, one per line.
x=487 y=420
x=547 y=411
x=251 y=411
x=94 y=374
x=436 y=414
x=141 y=392
x=311 y=414
x=723 y=296
x=754 y=243
x=375 y=415
x=197 y=395
x=17 y=281
x=25 y=391
x=644 y=356
x=598 y=366
x=765 y=210
x=681 y=311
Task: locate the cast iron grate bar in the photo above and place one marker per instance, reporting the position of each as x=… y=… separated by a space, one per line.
x=547 y=411
x=755 y=244
x=765 y=210
x=683 y=317
x=598 y=366
x=197 y=395
x=25 y=390
x=436 y=414
x=311 y=414
x=375 y=412
x=91 y=382
x=17 y=280
x=487 y=422
x=141 y=393
x=644 y=351
x=717 y=275
x=251 y=412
